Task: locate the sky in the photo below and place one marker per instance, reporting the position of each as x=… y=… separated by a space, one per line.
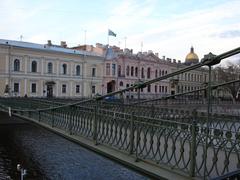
x=169 y=28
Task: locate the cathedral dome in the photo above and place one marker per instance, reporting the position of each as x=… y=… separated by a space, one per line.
x=191 y=58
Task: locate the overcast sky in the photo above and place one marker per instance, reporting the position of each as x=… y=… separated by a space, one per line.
x=169 y=28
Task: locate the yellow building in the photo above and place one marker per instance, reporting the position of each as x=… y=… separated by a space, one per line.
x=45 y=70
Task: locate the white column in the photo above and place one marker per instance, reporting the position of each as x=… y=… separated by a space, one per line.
x=71 y=89
x=27 y=63
x=25 y=86
x=71 y=69
x=57 y=68
x=42 y=66
x=57 y=88
x=7 y=64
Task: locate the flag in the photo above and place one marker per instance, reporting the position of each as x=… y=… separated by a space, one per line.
x=111 y=33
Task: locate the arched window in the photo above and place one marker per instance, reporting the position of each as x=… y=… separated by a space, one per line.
x=34 y=66
x=132 y=70
x=78 y=70
x=50 y=68
x=64 y=69
x=16 y=65
x=162 y=72
x=136 y=71
x=142 y=73
x=149 y=73
x=119 y=70
x=121 y=83
x=156 y=73
x=127 y=70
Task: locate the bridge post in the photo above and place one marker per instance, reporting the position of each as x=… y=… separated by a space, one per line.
x=95 y=125
x=39 y=116
x=52 y=117
x=70 y=122
x=131 y=133
x=193 y=145
x=137 y=140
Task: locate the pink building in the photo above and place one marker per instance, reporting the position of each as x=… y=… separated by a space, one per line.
x=123 y=68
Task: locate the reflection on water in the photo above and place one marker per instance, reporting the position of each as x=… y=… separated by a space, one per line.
x=48 y=156
x=11 y=154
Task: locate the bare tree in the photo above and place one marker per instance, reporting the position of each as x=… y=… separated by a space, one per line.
x=229 y=73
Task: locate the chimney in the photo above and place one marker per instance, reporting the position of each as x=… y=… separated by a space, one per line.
x=49 y=42
x=150 y=51
x=163 y=57
x=63 y=44
x=156 y=54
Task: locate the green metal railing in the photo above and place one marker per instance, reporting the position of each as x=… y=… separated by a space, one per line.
x=199 y=143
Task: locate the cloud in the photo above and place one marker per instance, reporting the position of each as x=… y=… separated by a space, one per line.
x=158 y=24
x=229 y=34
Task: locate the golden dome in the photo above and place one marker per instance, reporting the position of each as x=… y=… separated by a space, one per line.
x=191 y=58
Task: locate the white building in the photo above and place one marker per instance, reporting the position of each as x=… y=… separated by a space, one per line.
x=29 y=69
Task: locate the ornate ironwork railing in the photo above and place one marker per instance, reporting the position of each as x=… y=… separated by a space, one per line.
x=199 y=142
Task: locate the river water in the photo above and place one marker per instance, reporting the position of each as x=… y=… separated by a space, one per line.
x=46 y=155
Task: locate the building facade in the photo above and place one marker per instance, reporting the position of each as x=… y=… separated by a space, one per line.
x=36 y=70
x=123 y=68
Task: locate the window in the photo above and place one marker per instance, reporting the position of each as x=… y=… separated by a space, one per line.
x=108 y=69
x=121 y=83
x=156 y=88
x=149 y=73
x=142 y=73
x=16 y=65
x=132 y=70
x=93 y=72
x=160 y=89
x=149 y=88
x=136 y=71
x=34 y=66
x=16 y=87
x=113 y=69
x=50 y=68
x=77 y=89
x=119 y=70
x=64 y=69
x=166 y=89
x=34 y=88
x=156 y=73
x=127 y=70
x=64 y=88
x=162 y=72
x=77 y=70
x=93 y=89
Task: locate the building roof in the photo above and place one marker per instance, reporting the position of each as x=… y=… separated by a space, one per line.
x=46 y=47
x=192 y=57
